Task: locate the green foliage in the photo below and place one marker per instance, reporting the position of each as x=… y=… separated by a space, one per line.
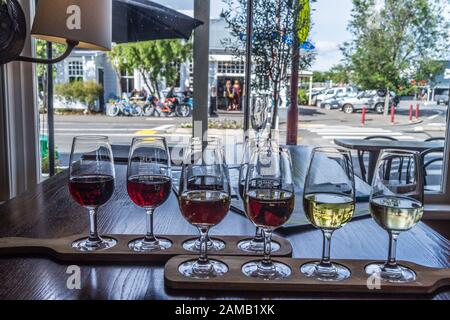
x=87 y=92
x=45 y=163
x=428 y=69
x=392 y=44
x=321 y=76
x=226 y=124
x=338 y=74
x=303 y=98
x=155 y=60
x=303 y=20
x=406 y=90
x=41 y=52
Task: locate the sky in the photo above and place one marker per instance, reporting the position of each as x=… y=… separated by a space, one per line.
x=330 y=20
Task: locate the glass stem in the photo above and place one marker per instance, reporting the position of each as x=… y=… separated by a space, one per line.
x=259 y=235
x=93 y=233
x=267 y=260
x=391 y=261
x=203 y=258
x=150 y=237
x=326 y=251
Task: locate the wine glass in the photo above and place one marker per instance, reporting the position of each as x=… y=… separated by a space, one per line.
x=149 y=184
x=204 y=200
x=256 y=244
x=259 y=114
x=270 y=201
x=193 y=151
x=329 y=203
x=396 y=205
x=91 y=184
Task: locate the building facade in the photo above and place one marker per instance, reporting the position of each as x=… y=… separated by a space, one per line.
x=224 y=67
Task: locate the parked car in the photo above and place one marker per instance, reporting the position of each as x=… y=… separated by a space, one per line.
x=334 y=102
x=442 y=98
x=316 y=91
x=329 y=93
x=372 y=100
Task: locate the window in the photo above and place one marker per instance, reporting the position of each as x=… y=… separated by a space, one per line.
x=318 y=131
x=127 y=82
x=75 y=70
x=231 y=67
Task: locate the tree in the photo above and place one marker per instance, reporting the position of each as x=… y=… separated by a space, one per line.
x=428 y=69
x=302 y=25
x=340 y=73
x=41 y=69
x=274 y=24
x=391 y=40
x=154 y=60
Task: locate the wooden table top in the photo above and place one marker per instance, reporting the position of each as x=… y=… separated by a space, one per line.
x=377 y=145
x=47 y=211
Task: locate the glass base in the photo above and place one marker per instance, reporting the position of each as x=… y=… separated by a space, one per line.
x=337 y=272
x=214 y=245
x=89 y=245
x=192 y=269
x=141 y=245
x=274 y=271
x=256 y=246
x=400 y=274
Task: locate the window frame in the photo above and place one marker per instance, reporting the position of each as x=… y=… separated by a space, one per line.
x=443 y=197
x=80 y=66
x=440 y=200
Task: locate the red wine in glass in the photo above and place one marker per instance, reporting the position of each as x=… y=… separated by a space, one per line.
x=91 y=190
x=204 y=208
x=149 y=191
x=270 y=208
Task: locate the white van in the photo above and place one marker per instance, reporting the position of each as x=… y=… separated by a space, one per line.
x=333 y=92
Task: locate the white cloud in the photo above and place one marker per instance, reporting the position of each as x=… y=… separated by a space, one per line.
x=326 y=46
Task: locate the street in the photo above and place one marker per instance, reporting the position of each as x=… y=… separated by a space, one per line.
x=316 y=126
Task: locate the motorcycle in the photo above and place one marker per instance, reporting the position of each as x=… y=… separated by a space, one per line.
x=185 y=109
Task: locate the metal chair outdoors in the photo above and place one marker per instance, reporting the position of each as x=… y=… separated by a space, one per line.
x=361 y=154
x=427 y=164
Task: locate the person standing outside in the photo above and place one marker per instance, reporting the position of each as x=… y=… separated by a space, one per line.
x=236 y=96
x=228 y=94
x=213 y=102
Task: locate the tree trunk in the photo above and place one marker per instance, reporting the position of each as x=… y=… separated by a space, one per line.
x=292 y=119
x=276 y=96
x=158 y=93
x=147 y=82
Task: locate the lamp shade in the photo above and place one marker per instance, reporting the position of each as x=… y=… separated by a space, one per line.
x=88 y=22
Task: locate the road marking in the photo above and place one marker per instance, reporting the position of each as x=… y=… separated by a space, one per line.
x=145 y=132
x=433 y=117
x=135 y=131
x=362 y=137
x=346 y=132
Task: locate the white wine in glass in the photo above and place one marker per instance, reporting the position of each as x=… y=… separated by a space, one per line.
x=329 y=204
x=396 y=205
